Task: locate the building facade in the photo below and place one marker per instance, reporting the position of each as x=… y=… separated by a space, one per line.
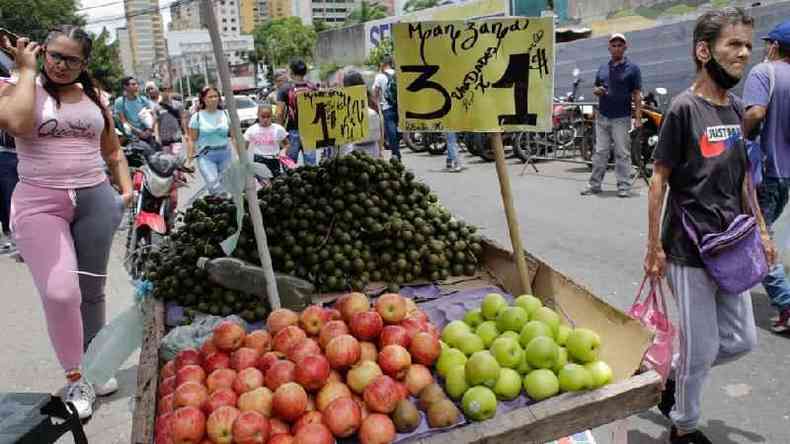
x=146 y=37
x=332 y=12
x=125 y=50
x=193 y=15
x=191 y=53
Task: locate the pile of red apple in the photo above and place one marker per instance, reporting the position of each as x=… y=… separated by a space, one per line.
x=309 y=378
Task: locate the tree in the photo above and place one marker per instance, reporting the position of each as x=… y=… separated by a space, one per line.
x=416 y=5
x=105 y=65
x=384 y=48
x=320 y=25
x=366 y=12
x=285 y=39
x=34 y=18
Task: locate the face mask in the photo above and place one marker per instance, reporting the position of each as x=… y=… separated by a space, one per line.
x=720 y=75
x=58 y=84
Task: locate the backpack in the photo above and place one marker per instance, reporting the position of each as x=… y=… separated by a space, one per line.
x=293 y=92
x=391 y=93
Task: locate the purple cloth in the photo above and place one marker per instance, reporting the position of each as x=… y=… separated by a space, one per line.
x=775 y=135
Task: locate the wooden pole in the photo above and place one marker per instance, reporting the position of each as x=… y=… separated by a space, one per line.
x=223 y=72
x=510 y=211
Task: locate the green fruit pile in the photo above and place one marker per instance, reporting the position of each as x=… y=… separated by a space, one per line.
x=499 y=349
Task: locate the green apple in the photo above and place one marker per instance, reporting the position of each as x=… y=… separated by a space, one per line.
x=528 y=302
x=443 y=344
x=601 y=373
x=473 y=318
x=542 y=352
x=487 y=332
x=541 y=384
x=507 y=352
x=453 y=331
x=562 y=335
x=492 y=303
x=548 y=317
x=509 y=334
x=511 y=319
x=508 y=386
x=583 y=345
x=448 y=359
x=479 y=403
x=523 y=367
x=455 y=382
x=532 y=330
x=562 y=359
x=470 y=343
x=574 y=377
x=482 y=369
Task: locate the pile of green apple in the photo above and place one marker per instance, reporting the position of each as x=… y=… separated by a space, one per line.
x=499 y=348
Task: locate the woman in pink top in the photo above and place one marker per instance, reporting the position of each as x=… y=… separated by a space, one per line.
x=64 y=211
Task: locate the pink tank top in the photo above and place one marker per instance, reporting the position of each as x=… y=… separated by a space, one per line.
x=63 y=150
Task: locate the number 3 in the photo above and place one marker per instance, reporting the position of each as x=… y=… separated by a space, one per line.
x=421 y=83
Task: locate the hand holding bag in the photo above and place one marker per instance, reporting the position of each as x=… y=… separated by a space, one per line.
x=652 y=313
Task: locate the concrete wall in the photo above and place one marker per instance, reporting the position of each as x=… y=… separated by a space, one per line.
x=342 y=46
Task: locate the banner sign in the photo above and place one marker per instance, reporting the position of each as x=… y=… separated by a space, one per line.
x=483 y=75
x=333 y=117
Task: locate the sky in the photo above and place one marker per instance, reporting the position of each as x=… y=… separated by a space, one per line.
x=98 y=17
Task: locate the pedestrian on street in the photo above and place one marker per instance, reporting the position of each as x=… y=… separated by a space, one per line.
x=383 y=86
x=280 y=80
x=701 y=156
x=453 y=161
x=766 y=94
x=268 y=141
x=375 y=141
x=288 y=112
x=170 y=130
x=618 y=85
x=8 y=180
x=65 y=212
x=209 y=135
x=130 y=107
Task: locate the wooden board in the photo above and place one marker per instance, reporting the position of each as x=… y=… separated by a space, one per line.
x=143 y=421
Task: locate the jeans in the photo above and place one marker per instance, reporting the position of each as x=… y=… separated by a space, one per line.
x=296 y=146
x=8 y=180
x=211 y=164
x=272 y=163
x=612 y=133
x=772 y=195
x=452 y=148
x=391 y=131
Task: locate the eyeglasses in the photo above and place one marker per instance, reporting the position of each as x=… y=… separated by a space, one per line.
x=70 y=62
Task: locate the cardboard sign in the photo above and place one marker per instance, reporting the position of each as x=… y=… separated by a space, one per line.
x=333 y=117
x=480 y=75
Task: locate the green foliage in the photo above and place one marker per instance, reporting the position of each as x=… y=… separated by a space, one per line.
x=624 y=13
x=327 y=69
x=320 y=25
x=416 y=5
x=34 y=18
x=366 y=12
x=384 y=48
x=105 y=64
x=281 y=40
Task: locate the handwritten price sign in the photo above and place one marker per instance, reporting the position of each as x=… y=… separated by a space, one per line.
x=333 y=117
x=482 y=75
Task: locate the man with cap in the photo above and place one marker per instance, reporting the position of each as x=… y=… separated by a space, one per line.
x=766 y=96
x=617 y=84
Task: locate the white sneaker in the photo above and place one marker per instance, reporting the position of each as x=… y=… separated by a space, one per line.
x=82 y=396
x=106 y=389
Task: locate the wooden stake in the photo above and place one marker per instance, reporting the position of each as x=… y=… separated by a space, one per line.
x=223 y=71
x=510 y=211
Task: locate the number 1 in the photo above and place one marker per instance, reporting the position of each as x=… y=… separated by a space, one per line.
x=517 y=76
x=320 y=114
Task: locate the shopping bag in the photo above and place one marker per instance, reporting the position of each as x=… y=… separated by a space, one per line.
x=287 y=162
x=652 y=313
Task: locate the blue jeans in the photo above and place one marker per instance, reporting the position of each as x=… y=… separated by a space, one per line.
x=772 y=195
x=211 y=164
x=452 y=147
x=8 y=180
x=296 y=145
x=391 y=131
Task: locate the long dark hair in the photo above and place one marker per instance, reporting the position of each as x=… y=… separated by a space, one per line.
x=204 y=92
x=88 y=87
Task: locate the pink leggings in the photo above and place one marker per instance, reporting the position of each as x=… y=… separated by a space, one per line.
x=59 y=232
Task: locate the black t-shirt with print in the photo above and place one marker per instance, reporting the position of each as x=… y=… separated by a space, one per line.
x=701 y=143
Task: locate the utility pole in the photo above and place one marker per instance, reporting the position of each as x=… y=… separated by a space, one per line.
x=223 y=72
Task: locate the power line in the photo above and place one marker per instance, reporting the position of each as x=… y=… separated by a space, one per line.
x=151 y=10
x=100 y=6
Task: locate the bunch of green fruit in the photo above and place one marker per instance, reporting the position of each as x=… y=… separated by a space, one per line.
x=498 y=349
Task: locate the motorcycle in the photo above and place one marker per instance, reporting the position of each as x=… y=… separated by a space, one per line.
x=645 y=139
x=480 y=145
x=434 y=143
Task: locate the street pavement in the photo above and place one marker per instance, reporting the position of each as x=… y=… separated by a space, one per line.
x=597 y=240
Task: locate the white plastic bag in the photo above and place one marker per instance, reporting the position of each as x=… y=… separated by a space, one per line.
x=113 y=345
x=781 y=229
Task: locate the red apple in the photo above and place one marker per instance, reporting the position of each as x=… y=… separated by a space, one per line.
x=306 y=347
x=190 y=393
x=243 y=358
x=190 y=373
x=368 y=351
x=167 y=386
x=280 y=373
x=279 y=319
x=417 y=378
x=313 y=319
x=228 y=336
x=413 y=326
x=352 y=303
x=394 y=335
x=259 y=400
x=425 y=348
x=312 y=371
x=334 y=314
x=394 y=360
x=281 y=438
x=403 y=391
x=219 y=426
x=376 y=429
x=165 y=404
x=208 y=348
x=188 y=356
x=216 y=360
x=188 y=425
x=266 y=361
x=290 y=401
x=278 y=427
x=343 y=417
x=366 y=325
x=362 y=374
x=168 y=370
x=331 y=330
x=382 y=395
x=220 y=378
x=314 y=434
x=218 y=398
x=391 y=307
x=287 y=338
x=163 y=428
x=248 y=379
x=250 y=428
x=343 y=351
x=310 y=417
x=260 y=340
x=330 y=392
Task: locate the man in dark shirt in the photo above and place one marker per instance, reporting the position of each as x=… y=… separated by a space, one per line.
x=701 y=156
x=617 y=84
x=288 y=112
